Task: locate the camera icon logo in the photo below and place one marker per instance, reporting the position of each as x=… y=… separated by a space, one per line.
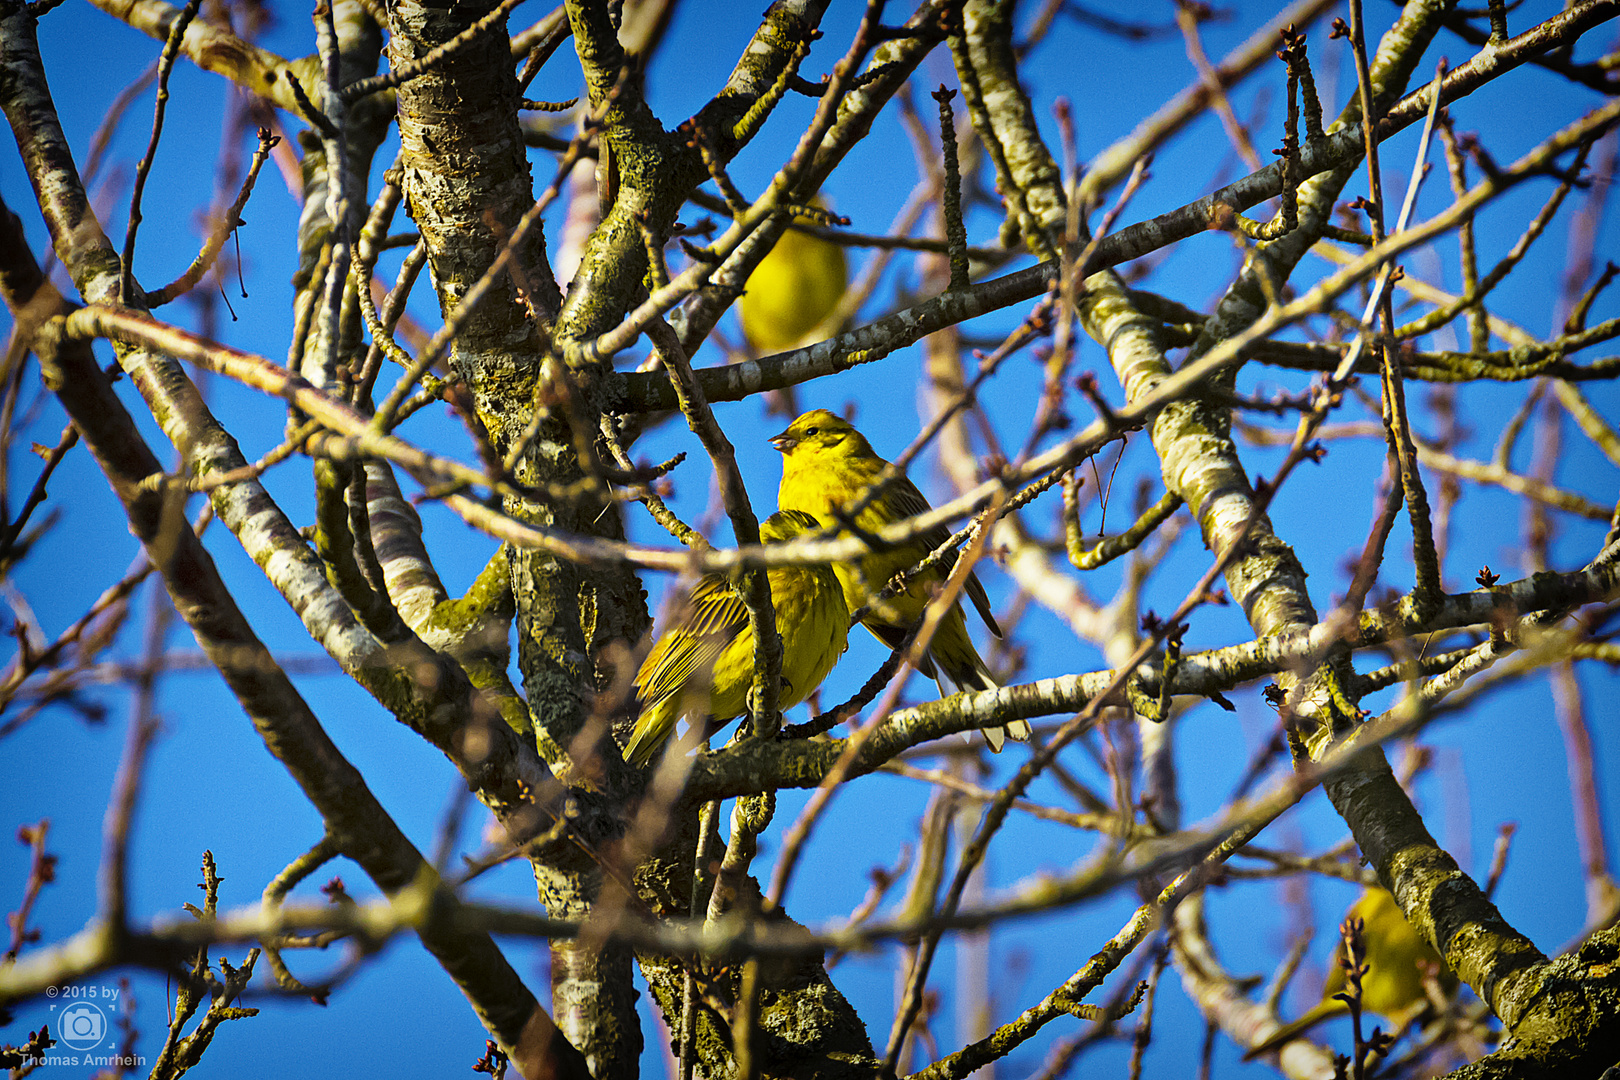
x=81 y=1026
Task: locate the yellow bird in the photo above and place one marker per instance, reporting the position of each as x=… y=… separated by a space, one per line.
x=827 y=464
x=1393 y=985
x=792 y=296
x=703 y=667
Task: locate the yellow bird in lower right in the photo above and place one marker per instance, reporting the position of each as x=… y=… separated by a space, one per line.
x=1393 y=985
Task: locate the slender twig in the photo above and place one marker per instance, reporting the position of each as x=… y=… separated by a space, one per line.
x=41 y=872
x=227 y=222
x=700 y=873
x=171 y=50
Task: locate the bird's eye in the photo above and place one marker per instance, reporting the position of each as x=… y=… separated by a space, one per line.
x=812 y=433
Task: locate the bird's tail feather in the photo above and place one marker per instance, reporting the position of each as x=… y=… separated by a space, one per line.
x=652 y=730
x=953 y=659
x=961 y=663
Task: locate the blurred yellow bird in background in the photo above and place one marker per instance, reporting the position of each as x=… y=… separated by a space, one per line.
x=1393 y=986
x=792 y=296
x=827 y=464
x=703 y=666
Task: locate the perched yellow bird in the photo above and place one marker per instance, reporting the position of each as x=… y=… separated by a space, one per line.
x=703 y=667
x=827 y=464
x=793 y=293
x=1393 y=984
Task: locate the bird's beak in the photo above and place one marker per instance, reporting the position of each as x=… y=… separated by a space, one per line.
x=784 y=442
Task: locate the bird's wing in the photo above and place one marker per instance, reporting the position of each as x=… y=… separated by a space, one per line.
x=906 y=501
x=717 y=610
x=717 y=616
